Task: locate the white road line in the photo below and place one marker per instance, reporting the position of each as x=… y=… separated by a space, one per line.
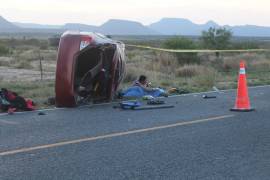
x=8 y=122
x=89 y=139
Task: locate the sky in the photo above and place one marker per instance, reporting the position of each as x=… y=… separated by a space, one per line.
x=96 y=12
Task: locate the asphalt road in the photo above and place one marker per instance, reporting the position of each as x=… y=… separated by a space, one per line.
x=198 y=139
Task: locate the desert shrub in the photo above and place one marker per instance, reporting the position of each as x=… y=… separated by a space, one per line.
x=189 y=70
x=187 y=58
x=32 y=42
x=44 y=45
x=260 y=65
x=24 y=65
x=3 y=50
x=4 y=63
x=229 y=65
x=206 y=78
x=164 y=62
x=131 y=74
x=216 y=38
x=50 y=55
x=25 y=43
x=179 y=43
x=182 y=43
x=54 y=41
x=29 y=55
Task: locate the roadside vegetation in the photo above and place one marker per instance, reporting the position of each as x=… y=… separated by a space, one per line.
x=191 y=72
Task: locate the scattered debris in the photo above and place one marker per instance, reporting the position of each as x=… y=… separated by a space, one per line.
x=41 y=113
x=177 y=91
x=154 y=107
x=11 y=102
x=216 y=89
x=148 y=97
x=130 y=104
x=136 y=105
x=155 y=102
x=209 y=97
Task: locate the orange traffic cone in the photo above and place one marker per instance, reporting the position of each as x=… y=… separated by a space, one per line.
x=242 y=100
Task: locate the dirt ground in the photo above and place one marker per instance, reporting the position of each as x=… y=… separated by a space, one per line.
x=13 y=74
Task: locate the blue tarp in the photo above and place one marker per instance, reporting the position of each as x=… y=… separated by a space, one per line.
x=136 y=91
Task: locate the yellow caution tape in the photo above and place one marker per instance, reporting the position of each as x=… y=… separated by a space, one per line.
x=196 y=50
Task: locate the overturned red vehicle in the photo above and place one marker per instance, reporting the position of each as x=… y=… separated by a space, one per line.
x=90 y=67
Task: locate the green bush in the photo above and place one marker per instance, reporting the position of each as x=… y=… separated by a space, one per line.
x=216 y=38
x=3 y=50
x=206 y=78
x=54 y=41
x=183 y=43
x=187 y=58
x=179 y=43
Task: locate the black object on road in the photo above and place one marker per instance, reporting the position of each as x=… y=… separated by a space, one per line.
x=155 y=102
x=153 y=107
x=130 y=104
x=208 y=97
x=135 y=105
x=41 y=113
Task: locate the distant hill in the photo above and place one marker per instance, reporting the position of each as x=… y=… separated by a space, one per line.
x=6 y=25
x=124 y=27
x=112 y=27
x=179 y=26
x=166 y=26
x=250 y=30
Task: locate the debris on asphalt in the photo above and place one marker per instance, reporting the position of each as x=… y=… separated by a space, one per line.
x=11 y=102
x=217 y=90
x=41 y=113
x=154 y=107
x=130 y=104
x=155 y=102
x=177 y=91
x=209 y=97
x=147 y=97
x=136 y=105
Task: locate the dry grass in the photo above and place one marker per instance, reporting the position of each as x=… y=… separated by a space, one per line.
x=189 y=71
x=230 y=64
x=165 y=63
x=164 y=69
x=199 y=72
x=205 y=78
x=38 y=91
x=260 y=64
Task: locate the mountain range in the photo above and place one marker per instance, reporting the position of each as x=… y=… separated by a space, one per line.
x=166 y=26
